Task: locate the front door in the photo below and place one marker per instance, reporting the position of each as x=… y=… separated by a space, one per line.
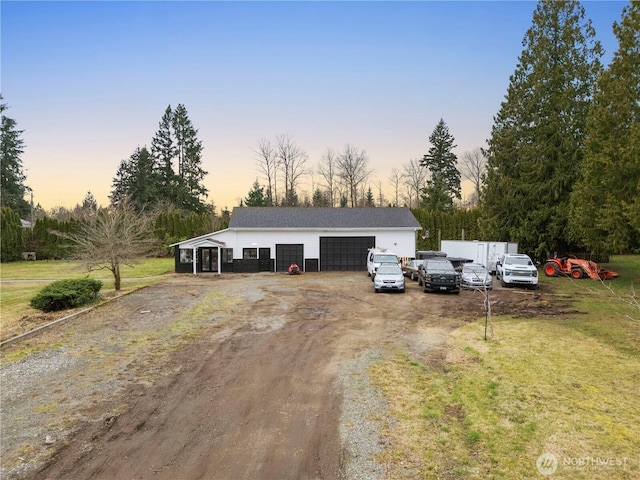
x=209 y=259
x=265 y=259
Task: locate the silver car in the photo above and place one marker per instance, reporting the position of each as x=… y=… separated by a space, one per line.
x=476 y=276
x=388 y=276
x=411 y=268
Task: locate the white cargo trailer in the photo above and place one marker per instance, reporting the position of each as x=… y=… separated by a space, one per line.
x=495 y=250
x=485 y=253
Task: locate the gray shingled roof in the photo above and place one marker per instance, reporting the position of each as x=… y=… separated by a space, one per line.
x=312 y=217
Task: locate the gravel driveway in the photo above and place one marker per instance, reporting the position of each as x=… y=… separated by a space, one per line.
x=218 y=377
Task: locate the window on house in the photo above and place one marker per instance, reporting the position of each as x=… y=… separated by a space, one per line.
x=227 y=255
x=186 y=255
x=249 y=253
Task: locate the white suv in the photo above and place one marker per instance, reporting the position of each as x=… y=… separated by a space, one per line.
x=516 y=269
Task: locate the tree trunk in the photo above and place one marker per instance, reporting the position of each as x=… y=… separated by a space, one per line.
x=116 y=278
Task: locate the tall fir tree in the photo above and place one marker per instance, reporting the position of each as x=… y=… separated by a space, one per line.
x=605 y=203
x=12 y=186
x=191 y=192
x=177 y=153
x=164 y=151
x=443 y=184
x=537 y=140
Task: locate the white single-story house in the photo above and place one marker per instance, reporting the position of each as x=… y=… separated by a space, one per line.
x=269 y=239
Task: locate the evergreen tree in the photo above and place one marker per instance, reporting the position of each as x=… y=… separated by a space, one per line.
x=444 y=182
x=144 y=184
x=605 y=203
x=89 y=203
x=87 y=208
x=11 y=238
x=320 y=199
x=137 y=179
x=537 y=140
x=175 y=146
x=12 y=187
x=256 y=197
x=189 y=159
x=121 y=183
x=369 y=200
x=164 y=151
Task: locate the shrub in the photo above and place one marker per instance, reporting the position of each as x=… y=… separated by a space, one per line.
x=65 y=294
x=11 y=238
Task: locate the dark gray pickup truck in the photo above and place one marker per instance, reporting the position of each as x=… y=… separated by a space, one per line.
x=438 y=275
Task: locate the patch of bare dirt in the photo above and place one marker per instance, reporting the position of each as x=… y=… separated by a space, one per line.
x=219 y=377
x=516 y=302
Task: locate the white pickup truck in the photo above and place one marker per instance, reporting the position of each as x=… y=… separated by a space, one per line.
x=516 y=269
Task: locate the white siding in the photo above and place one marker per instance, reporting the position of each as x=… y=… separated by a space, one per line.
x=401 y=242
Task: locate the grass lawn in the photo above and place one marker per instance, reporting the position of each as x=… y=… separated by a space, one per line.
x=33 y=276
x=565 y=386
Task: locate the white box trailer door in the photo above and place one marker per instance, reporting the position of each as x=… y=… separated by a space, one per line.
x=495 y=251
x=473 y=250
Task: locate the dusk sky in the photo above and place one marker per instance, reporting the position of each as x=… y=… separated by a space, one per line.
x=88 y=82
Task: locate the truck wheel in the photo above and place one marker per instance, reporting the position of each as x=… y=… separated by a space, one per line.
x=577 y=273
x=551 y=269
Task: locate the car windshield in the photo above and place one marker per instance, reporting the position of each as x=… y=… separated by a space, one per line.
x=389 y=270
x=385 y=259
x=475 y=270
x=518 y=261
x=439 y=266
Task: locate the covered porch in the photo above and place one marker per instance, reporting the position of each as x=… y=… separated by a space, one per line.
x=199 y=255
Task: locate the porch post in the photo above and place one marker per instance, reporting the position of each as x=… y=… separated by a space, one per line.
x=195 y=260
x=219 y=261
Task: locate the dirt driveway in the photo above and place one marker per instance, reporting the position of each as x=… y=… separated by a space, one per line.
x=220 y=377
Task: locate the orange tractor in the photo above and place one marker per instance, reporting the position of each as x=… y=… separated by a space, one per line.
x=577 y=268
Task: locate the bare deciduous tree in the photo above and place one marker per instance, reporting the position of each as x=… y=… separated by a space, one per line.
x=395 y=179
x=328 y=169
x=114 y=237
x=415 y=177
x=353 y=170
x=268 y=165
x=473 y=166
x=292 y=160
x=381 y=199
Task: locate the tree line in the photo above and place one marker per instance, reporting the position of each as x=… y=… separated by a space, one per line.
x=560 y=171
x=345 y=176
x=48 y=239
x=563 y=159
